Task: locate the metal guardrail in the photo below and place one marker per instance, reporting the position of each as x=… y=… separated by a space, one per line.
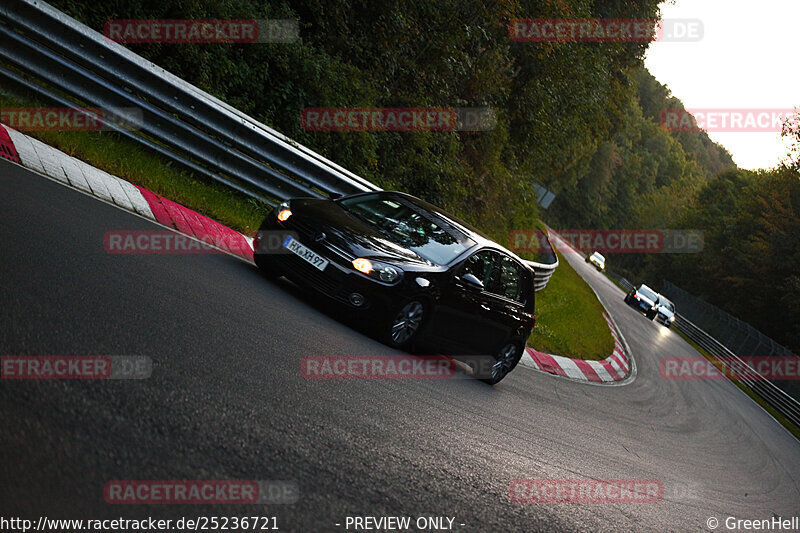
x=738 y=336
x=61 y=60
x=47 y=53
x=777 y=398
x=542 y=273
x=624 y=283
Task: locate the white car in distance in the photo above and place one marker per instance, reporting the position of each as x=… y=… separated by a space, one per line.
x=597 y=260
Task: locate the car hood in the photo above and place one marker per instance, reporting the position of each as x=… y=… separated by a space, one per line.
x=346 y=231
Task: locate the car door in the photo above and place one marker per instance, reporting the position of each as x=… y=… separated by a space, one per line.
x=461 y=318
x=507 y=300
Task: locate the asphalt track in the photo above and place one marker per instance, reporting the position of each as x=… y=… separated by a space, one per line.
x=227 y=401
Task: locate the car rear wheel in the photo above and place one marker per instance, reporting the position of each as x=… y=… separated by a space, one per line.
x=405 y=325
x=505 y=361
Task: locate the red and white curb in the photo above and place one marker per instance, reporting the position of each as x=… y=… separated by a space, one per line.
x=615 y=367
x=36 y=155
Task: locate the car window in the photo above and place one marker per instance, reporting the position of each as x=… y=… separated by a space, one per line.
x=647 y=293
x=499 y=274
x=481 y=265
x=409 y=225
x=509 y=282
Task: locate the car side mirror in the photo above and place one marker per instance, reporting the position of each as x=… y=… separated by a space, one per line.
x=471 y=281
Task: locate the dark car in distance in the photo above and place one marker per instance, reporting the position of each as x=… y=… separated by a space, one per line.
x=644 y=299
x=410 y=269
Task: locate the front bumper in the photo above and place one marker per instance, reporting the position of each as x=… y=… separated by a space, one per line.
x=339 y=281
x=664 y=320
x=642 y=306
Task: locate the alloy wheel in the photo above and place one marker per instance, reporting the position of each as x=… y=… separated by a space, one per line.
x=504 y=362
x=406 y=323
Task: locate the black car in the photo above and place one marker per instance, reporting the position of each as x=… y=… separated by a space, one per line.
x=644 y=299
x=416 y=273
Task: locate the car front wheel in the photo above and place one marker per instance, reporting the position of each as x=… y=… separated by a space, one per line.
x=405 y=325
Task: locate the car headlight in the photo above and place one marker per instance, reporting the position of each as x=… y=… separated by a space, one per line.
x=672 y=319
x=284 y=212
x=377 y=270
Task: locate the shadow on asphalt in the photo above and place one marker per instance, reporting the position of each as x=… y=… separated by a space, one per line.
x=355 y=321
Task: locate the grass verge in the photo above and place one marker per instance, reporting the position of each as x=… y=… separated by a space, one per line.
x=569 y=318
x=128 y=160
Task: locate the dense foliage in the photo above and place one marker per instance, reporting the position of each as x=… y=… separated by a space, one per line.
x=580 y=118
x=643 y=175
x=555 y=103
x=752 y=248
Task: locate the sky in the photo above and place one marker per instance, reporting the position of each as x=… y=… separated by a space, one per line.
x=746 y=59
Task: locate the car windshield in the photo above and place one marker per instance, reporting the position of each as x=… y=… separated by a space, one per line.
x=599 y=257
x=647 y=293
x=668 y=305
x=409 y=225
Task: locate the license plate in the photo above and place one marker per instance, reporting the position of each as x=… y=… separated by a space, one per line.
x=316 y=260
